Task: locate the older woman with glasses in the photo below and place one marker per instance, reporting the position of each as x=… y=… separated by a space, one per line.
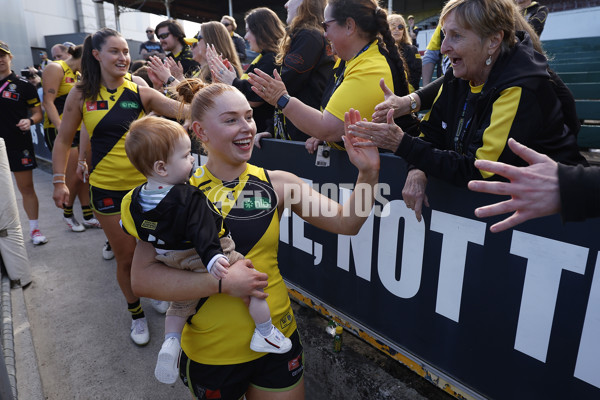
x=409 y=52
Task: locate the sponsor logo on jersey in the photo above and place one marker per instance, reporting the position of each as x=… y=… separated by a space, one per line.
x=294 y=364
x=10 y=95
x=129 y=105
x=96 y=105
x=257 y=203
x=68 y=79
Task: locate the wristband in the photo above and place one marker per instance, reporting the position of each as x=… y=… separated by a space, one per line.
x=220 y=280
x=55 y=175
x=31 y=121
x=58 y=181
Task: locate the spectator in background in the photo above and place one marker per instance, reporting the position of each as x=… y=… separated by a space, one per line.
x=264 y=30
x=151 y=47
x=409 y=52
x=305 y=60
x=171 y=35
x=238 y=41
x=413 y=30
x=59 y=52
x=534 y=13
x=20 y=109
x=45 y=60
x=433 y=56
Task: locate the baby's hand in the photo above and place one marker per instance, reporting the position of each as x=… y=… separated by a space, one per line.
x=219 y=268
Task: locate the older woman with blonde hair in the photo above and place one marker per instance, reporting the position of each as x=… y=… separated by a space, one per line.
x=410 y=53
x=498 y=87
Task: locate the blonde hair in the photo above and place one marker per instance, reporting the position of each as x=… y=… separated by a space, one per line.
x=151 y=139
x=397 y=17
x=485 y=18
x=216 y=34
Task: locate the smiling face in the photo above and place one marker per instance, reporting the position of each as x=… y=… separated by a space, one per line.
x=466 y=50
x=227 y=129
x=113 y=56
x=180 y=163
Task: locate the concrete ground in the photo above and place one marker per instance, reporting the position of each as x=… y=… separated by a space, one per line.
x=72 y=332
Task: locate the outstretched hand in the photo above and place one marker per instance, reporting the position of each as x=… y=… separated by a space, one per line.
x=270 y=89
x=365 y=158
x=391 y=102
x=534 y=189
x=385 y=135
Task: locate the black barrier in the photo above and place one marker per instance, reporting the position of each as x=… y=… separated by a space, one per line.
x=513 y=315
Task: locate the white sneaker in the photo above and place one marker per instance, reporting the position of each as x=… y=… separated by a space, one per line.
x=166 y=370
x=91 y=223
x=74 y=224
x=37 y=238
x=107 y=252
x=276 y=342
x=139 y=331
x=160 y=306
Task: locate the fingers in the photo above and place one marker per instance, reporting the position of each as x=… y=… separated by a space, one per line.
x=384 y=88
x=508 y=223
x=498 y=168
x=390 y=116
x=500 y=208
x=418 y=207
x=276 y=75
x=527 y=154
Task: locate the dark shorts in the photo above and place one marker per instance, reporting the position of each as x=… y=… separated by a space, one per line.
x=272 y=372
x=21 y=159
x=50 y=136
x=106 y=202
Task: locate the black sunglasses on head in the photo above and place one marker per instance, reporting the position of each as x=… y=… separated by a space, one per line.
x=163 y=35
x=226 y=23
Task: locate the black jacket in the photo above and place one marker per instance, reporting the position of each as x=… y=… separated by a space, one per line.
x=538 y=123
x=579 y=192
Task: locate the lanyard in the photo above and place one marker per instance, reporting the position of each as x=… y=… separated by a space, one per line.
x=460 y=132
x=340 y=77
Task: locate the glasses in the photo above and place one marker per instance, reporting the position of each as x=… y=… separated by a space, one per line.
x=399 y=27
x=226 y=23
x=163 y=36
x=325 y=25
x=149 y=31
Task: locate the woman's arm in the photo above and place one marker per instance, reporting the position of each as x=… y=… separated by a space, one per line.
x=85 y=148
x=51 y=79
x=321 y=125
x=155 y=101
x=321 y=211
x=72 y=116
x=150 y=278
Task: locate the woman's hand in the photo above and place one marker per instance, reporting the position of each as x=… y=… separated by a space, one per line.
x=269 y=89
x=220 y=71
x=383 y=135
x=175 y=68
x=60 y=195
x=413 y=192
x=157 y=68
x=82 y=171
x=399 y=105
x=259 y=136
x=365 y=158
x=312 y=144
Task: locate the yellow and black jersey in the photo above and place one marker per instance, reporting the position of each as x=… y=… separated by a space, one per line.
x=107 y=119
x=69 y=80
x=183 y=219
x=219 y=333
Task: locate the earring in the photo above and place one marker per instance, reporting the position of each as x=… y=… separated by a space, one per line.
x=488 y=61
